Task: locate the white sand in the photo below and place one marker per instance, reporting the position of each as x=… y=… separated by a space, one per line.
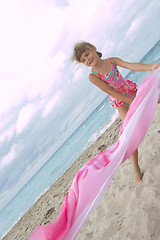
x=126 y=212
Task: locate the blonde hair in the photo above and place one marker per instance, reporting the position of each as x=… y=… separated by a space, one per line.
x=80 y=48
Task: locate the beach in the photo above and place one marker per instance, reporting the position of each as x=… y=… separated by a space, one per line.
x=127 y=211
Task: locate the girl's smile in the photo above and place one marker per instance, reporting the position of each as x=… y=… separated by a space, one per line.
x=89 y=58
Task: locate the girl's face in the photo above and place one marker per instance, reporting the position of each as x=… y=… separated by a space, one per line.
x=89 y=57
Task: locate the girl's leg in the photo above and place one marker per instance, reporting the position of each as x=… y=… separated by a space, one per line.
x=159 y=99
x=134 y=158
x=137 y=171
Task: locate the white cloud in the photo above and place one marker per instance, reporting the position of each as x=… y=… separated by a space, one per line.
x=12 y=91
x=134 y=26
x=24 y=36
x=78 y=72
x=8 y=134
x=51 y=103
x=58 y=60
x=9 y=157
x=48 y=75
x=29 y=32
x=24 y=117
x=108 y=46
x=79 y=18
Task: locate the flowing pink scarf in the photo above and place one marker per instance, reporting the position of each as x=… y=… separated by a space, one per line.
x=93 y=179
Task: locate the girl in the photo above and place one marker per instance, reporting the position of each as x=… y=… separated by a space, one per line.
x=105 y=75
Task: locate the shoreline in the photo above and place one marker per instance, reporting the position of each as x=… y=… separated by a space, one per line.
x=124 y=205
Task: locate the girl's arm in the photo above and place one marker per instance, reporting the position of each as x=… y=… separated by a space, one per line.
x=136 y=66
x=106 y=88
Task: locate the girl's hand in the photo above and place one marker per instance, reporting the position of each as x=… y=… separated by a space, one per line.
x=155 y=66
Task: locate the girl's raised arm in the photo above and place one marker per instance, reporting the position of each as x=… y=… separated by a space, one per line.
x=136 y=66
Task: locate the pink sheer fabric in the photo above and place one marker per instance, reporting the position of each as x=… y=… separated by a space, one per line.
x=93 y=179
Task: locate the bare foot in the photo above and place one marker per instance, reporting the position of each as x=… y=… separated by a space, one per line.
x=137 y=180
x=138 y=177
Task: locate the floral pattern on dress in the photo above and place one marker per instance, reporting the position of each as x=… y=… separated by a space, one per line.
x=132 y=85
x=112 y=85
x=118 y=83
x=116 y=74
x=123 y=89
x=115 y=102
x=100 y=75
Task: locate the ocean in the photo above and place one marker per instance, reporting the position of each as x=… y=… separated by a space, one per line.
x=98 y=121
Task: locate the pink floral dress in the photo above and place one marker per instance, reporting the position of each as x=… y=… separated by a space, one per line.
x=115 y=80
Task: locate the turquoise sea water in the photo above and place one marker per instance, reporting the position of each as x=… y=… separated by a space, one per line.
x=63 y=158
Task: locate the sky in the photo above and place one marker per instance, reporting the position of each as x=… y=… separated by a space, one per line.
x=44 y=97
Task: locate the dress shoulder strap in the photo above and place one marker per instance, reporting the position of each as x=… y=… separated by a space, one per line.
x=95 y=73
x=112 y=64
x=110 y=61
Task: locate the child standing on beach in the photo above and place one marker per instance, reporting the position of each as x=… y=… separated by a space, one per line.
x=105 y=75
